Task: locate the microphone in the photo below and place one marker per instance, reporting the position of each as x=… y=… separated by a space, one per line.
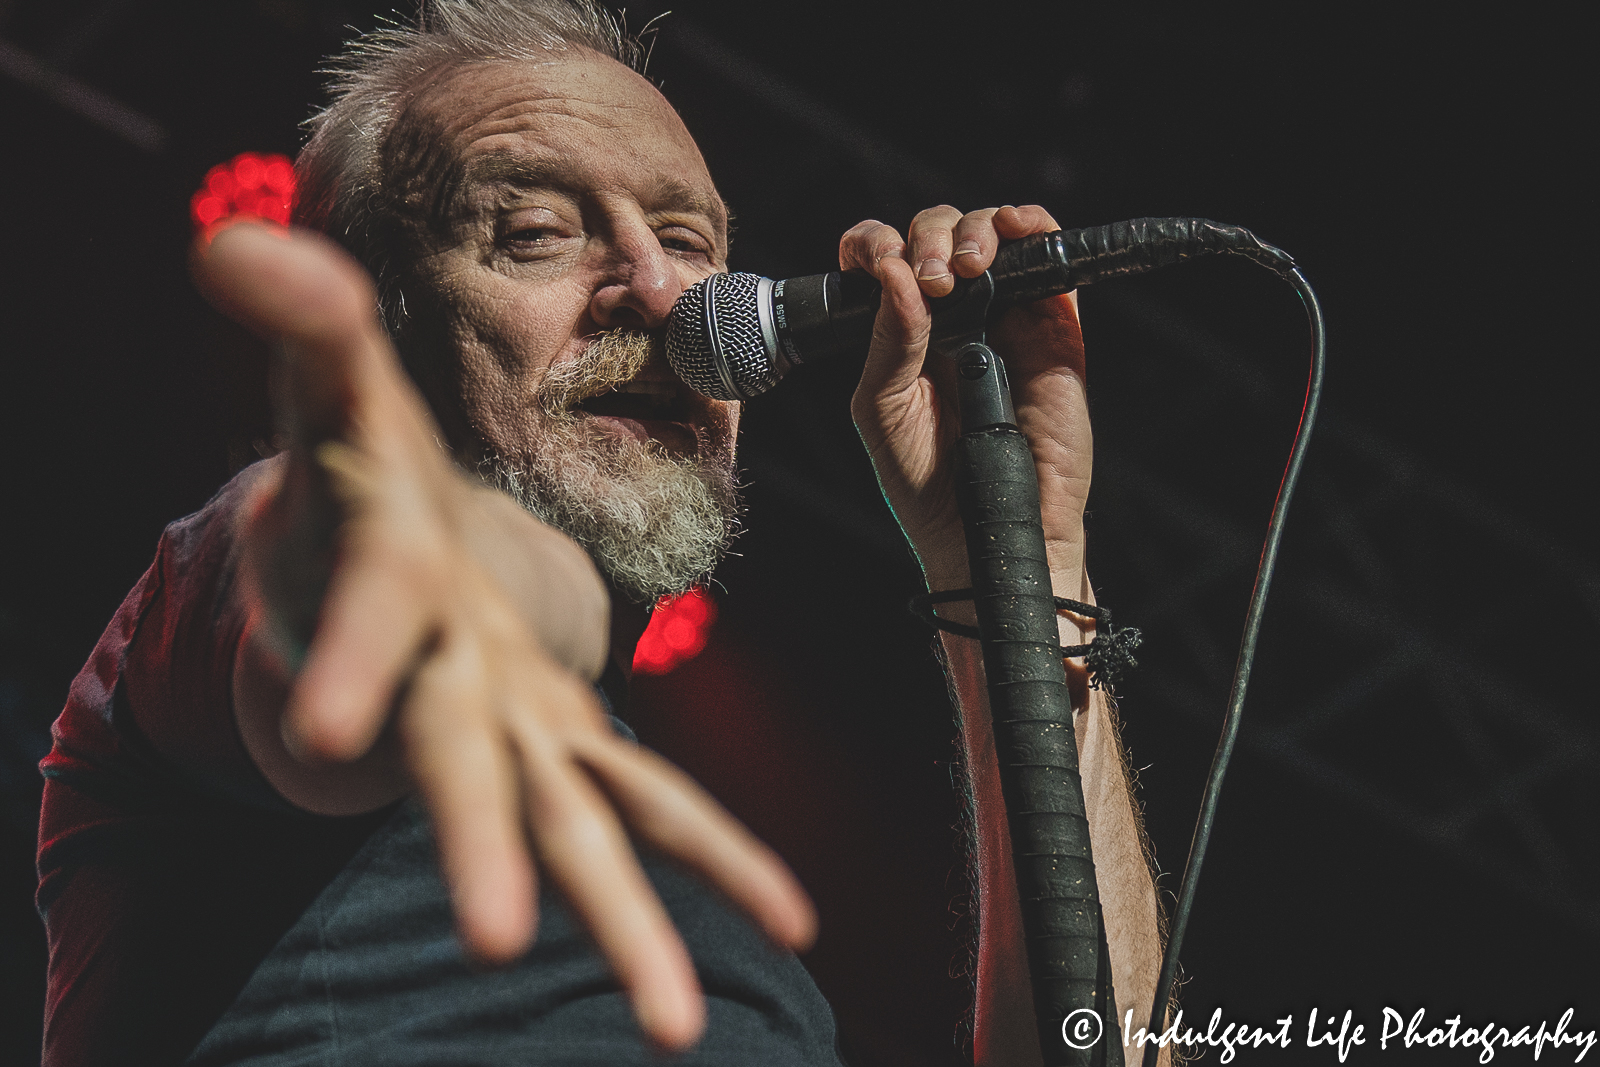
x=734 y=336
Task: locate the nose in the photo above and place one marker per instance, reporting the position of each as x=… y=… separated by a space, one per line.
x=640 y=284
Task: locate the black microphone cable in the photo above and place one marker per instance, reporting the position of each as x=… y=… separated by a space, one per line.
x=1242 y=667
x=1133 y=247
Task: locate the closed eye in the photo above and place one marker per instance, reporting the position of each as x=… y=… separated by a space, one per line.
x=684 y=242
x=531 y=234
x=536 y=242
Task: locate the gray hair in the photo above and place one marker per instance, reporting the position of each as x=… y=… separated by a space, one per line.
x=340 y=172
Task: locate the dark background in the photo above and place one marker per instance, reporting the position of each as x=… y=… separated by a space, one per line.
x=1410 y=820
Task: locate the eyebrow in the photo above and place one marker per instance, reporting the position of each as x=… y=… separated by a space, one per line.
x=530 y=172
x=677 y=194
x=510 y=169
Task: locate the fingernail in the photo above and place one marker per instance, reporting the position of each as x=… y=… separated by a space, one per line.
x=967 y=248
x=932 y=269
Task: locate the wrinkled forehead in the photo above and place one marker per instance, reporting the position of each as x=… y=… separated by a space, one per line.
x=572 y=119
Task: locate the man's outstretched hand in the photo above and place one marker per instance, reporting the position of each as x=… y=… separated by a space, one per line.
x=447 y=648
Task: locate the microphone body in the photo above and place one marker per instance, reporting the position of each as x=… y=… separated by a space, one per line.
x=734 y=336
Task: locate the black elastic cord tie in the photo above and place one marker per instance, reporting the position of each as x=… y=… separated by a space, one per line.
x=1108 y=656
x=922 y=607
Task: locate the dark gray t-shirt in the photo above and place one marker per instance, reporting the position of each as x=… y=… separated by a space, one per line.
x=194 y=916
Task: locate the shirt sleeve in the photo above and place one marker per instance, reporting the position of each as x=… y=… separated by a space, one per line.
x=177 y=677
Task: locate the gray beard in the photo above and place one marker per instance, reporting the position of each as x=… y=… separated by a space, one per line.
x=655 y=523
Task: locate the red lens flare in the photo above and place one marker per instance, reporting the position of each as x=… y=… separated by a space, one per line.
x=677 y=632
x=252 y=184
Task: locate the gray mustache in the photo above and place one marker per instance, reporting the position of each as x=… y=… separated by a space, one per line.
x=607 y=361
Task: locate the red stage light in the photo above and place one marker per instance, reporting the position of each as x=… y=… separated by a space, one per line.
x=247 y=168
x=677 y=632
x=208 y=209
x=279 y=175
x=221 y=184
x=250 y=184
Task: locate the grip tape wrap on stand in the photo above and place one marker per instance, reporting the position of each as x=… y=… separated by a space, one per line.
x=998 y=490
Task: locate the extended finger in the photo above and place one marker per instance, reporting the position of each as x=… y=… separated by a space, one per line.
x=464 y=769
x=584 y=852
x=930 y=248
x=369 y=631
x=290 y=284
x=667 y=808
x=300 y=287
x=866 y=246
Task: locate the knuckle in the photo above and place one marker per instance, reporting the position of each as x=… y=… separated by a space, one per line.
x=462 y=666
x=861 y=230
x=867 y=242
x=978 y=220
x=881 y=232
x=888 y=246
x=580 y=832
x=943 y=213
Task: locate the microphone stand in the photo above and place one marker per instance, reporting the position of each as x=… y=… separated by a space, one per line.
x=997 y=492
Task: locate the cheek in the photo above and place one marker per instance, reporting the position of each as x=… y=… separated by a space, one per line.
x=501 y=349
x=522 y=336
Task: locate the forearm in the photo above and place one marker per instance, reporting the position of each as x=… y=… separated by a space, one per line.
x=1004 y=1023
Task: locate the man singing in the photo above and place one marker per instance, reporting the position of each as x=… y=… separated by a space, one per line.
x=339 y=783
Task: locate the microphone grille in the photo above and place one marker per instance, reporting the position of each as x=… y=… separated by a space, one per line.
x=717 y=341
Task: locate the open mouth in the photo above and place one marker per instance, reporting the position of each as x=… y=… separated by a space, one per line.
x=643 y=401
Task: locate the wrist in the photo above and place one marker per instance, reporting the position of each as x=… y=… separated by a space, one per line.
x=943 y=560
